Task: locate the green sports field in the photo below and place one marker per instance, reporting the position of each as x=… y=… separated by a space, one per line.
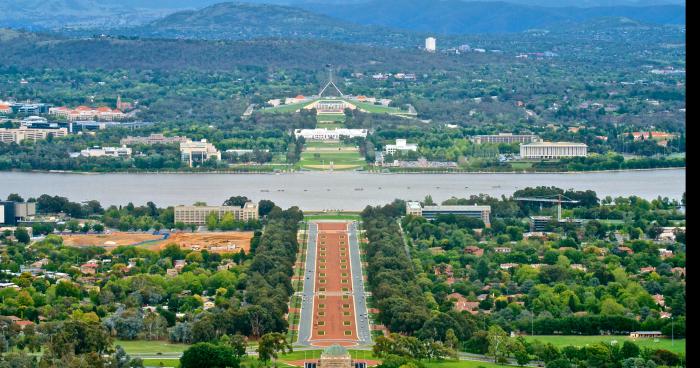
x=319 y=155
x=677 y=346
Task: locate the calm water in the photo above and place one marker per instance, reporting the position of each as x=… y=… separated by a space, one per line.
x=326 y=190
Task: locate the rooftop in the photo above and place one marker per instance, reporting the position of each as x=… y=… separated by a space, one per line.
x=561 y=144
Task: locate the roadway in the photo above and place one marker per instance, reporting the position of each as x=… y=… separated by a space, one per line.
x=307 y=294
x=364 y=333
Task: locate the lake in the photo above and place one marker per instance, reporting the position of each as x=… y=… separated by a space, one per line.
x=327 y=190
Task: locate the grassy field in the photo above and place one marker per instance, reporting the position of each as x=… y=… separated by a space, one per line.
x=521 y=165
x=285 y=109
x=319 y=155
x=678 y=345
x=150 y=347
x=330 y=118
x=378 y=109
x=161 y=363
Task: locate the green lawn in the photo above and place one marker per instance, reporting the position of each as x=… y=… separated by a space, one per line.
x=561 y=341
x=378 y=109
x=161 y=362
x=521 y=165
x=285 y=109
x=342 y=158
x=150 y=347
x=330 y=118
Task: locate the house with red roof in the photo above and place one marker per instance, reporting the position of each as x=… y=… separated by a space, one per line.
x=461 y=304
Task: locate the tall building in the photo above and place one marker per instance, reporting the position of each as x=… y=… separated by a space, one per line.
x=430 y=44
x=197 y=215
x=194 y=152
x=545 y=150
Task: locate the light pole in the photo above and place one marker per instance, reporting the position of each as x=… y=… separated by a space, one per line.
x=672 y=339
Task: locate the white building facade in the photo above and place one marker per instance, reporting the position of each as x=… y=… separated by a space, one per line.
x=198 y=151
x=324 y=134
x=401 y=146
x=106 y=152
x=545 y=150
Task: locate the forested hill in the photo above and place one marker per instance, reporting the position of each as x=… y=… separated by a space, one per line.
x=30 y=50
x=460 y=17
x=237 y=21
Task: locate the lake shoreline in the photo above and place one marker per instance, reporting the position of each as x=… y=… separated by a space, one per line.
x=375 y=172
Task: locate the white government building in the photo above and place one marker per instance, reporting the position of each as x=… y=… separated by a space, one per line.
x=106 y=152
x=400 y=145
x=198 y=151
x=324 y=134
x=543 y=150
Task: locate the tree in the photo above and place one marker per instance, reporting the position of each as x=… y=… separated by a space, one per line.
x=559 y=363
x=22 y=235
x=237 y=201
x=239 y=343
x=120 y=359
x=498 y=343
x=265 y=206
x=209 y=355
x=629 y=350
x=271 y=344
x=520 y=353
x=154 y=326
x=451 y=339
x=14 y=197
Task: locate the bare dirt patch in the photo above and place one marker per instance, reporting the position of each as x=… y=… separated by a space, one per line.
x=108 y=241
x=218 y=242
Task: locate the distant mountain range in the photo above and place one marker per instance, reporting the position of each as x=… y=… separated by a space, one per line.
x=342 y=20
x=460 y=17
x=239 y=21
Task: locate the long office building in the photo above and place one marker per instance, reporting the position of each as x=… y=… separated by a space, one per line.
x=152 y=139
x=23 y=133
x=507 y=138
x=197 y=215
x=432 y=212
x=545 y=150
